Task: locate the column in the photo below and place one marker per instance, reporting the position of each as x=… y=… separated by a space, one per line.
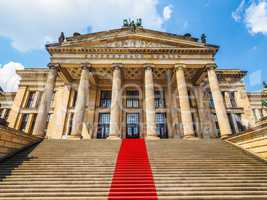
x=169 y=104
x=115 y=131
x=186 y=114
x=81 y=102
x=45 y=102
x=218 y=102
x=150 y=104
x=264 y=112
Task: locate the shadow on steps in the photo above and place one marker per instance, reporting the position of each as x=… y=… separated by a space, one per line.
x=9 y=164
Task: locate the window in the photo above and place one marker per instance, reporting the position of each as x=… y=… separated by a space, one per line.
x=1 y=112
x=161 y=125
x=7 y=114
x=24 y=121
x=240 y=125
x=74 y=98
x=232 y=99
x=103 y=125
x=105 y=99
x=30 y=100
x=159 y=99
x=33 y=123
x=211 y=102
x=217 y=127
x=132 y=99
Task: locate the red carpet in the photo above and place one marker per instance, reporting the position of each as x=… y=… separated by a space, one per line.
x=133 y=177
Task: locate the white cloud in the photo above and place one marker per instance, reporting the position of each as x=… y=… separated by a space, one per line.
x=31 y=23
x=9 y=79
x=237 y=14
x=167 y=12
x=256 y=17
x=253 y=14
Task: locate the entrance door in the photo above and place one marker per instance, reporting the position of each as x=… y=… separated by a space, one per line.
x=132 y=126
x=161 y=123
x=103 y=125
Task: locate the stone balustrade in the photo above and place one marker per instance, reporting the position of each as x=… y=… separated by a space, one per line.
x=12 y=141
x=253 y=141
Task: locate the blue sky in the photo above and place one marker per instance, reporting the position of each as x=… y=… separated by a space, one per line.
x=238 y=27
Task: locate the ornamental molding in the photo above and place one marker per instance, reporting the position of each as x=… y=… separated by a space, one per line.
x=158 y=50
x=134 y=43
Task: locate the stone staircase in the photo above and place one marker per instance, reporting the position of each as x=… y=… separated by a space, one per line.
x=206 y=169
x=182 y=169
x=60 y=169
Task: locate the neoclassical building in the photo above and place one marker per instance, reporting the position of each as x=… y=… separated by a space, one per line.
x=131 y=82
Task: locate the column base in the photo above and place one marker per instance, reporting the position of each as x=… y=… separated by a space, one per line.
x=190 y=137
x=152 y=137
x=74 y=137
x=112 y=137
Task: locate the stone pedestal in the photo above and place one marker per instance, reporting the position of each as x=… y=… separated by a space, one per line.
x=150 y=104
x=218 y=102
x=45 y=102
x=81 y=102
x=115 y=131
x=186 y=114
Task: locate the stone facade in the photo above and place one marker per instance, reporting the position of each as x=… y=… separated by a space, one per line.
x=128 y=83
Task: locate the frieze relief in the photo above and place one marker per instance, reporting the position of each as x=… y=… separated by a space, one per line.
x=131 y=43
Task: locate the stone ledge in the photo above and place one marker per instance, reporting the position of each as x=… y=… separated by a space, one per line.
x=13 y=141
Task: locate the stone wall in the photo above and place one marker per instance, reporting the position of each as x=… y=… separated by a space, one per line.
x=254 y=140
x=12 y=141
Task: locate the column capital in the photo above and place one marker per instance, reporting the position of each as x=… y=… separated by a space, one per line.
x=53 y=65
x=149 y=66
x=180 y=66
x=117 y=66
x=211 y=66
x=86 y=66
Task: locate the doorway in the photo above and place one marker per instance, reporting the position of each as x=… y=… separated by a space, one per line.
x=132 y=125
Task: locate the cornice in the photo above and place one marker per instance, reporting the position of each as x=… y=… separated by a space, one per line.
x=84 y=50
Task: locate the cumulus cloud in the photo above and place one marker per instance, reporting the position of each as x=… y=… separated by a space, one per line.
x=256 y=17
x=9 y=79
x=253 y=14
x=167 y=12
x=30 y=23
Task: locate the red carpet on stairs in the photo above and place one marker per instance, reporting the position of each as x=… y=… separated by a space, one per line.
x=133 y=177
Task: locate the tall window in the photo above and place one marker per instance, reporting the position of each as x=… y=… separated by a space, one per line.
x=33 y=123
x=132 y=99
x=24 y=121
x=105 y=99
x=74 y=98
x=232 y=99
x=211 y=102
x=1 y=112
x=215 y=119
x=30 y=99
x=161 y=125
x=7 y=114
x=103 y=125
x=159 y=99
